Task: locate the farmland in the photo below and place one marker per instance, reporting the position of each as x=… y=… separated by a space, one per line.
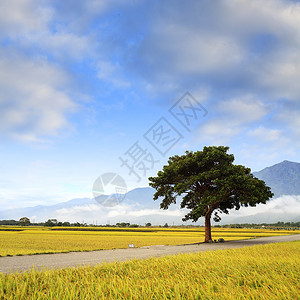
x=35 y=240
x=259 y=272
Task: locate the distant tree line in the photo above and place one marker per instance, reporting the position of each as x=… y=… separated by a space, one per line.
x=278 y=225
x=24 y=221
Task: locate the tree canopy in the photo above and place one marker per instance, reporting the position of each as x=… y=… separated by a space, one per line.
x=24 y=221
x=209 y=183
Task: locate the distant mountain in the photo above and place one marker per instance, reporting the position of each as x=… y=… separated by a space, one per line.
x=43 y=212
x=137 y=206
x=139 y=197
x=142 y=197
x=283 y=178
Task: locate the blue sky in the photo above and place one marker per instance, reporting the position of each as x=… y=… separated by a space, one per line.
x=82 y=81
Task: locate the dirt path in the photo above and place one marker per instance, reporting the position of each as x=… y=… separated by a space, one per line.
x=72 y=259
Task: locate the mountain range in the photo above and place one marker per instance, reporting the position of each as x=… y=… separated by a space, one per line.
x=283 y=178
x=137 y=206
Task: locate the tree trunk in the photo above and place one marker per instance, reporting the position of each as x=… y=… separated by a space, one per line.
x=207 y=228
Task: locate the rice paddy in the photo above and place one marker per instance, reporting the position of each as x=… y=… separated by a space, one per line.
x=35 y=240
x=260 y=272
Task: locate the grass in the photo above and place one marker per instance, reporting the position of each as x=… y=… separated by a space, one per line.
x=259 y=272
x=36 y=240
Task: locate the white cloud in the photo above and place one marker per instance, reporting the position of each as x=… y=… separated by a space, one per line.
x=285 y=207
x=287 y=204
x=278 y=16
x=291 y=117
x=122 y=211
x=149 y=212
x=80 y=209
x=145 y=212
x=33 y=25
x=62 y=44
x=96 y=6
x=110 y=73
x=266 y=134
x=234 y=116
x=280 y=74
x=188 y=50
x=218 y=132
x=243 y=110
x=32 y=100
x=22 y=16
x=247 y=46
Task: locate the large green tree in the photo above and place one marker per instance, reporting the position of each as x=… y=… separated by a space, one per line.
x=209 y=184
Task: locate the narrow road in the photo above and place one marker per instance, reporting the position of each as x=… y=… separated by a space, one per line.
x=73 y=259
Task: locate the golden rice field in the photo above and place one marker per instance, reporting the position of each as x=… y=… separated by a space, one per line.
x=260 y=272
x=34 y=240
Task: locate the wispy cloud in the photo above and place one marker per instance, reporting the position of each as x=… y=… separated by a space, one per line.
x=265 y=134
x=22 y=17
x=32 y=98
x=282 y=208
